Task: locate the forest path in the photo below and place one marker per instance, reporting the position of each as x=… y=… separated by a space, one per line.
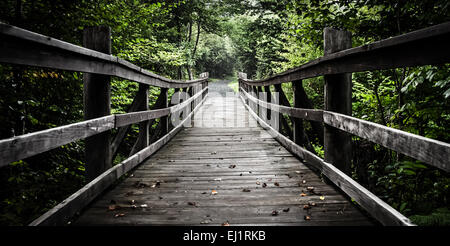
x=223 y=169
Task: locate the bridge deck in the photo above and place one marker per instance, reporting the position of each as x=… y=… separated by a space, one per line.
x=227 y=152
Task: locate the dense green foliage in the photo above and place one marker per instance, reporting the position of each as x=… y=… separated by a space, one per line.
x=182 y=38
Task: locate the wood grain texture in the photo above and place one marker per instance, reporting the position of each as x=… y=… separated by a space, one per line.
x=31 y=144
x=366 y=199
x=430 y=151
x=19 y=46
x=174 y=186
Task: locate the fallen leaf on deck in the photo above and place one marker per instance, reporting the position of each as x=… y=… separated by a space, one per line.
x=160 y=197
x=240 y=174
x=232 y=166
x=217 y=179
x=144 y=205
x=205 y=222
x=258 y=183
x=307 y=217
x=213 y=153
x=213 y=192
x=302 y=194
x=264 y=185
x=312 y=204
x=276 y=184
x=286 y=210
x=274 y=213
x=132 y=202
x=133 y=206
x=204 y=192
x=322 y=198
x=113 y=207
x=306 y=207
x=192 y=203
x=246 y=190
x=298 y=172
x=119 y=215
x=225 y=224
x=310 y=188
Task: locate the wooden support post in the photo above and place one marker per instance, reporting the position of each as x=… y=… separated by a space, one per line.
x=268 y=99
x=97 y=100
x=284 y=102
x=164 y=121
x=297 y=123
x=144 y=127
x=338 y=98
x=259 y=96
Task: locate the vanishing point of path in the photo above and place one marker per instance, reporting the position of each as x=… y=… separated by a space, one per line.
x=223 y=169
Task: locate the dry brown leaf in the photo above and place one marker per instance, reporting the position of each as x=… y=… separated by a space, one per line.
x=264 y=185
x=302 y=194
x=306 y=207
x=276 y=184
x=307 y=217
x=119 y=215
x=113 y=207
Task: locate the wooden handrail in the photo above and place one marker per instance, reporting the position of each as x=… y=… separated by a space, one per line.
x=20 y=147
x=428 y=150
x=366 y=199
x=64 y=211
x=422 y=47
x=23 y=47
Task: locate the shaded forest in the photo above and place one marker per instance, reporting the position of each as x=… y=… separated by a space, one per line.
x=181 y=39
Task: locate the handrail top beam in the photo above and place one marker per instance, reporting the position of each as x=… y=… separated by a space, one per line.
x=429 y=33
x=16 y=32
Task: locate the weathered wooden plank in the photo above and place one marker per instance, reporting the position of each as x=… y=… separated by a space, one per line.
x=430 y=151
x=136 y=117
x=27 y=145
x=19 y=46
x=61 y=213
x=366 y=199
x=429 y=45
x=307 y=114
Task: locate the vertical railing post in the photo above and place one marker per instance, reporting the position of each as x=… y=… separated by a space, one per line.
x=297 y=122
x=144 y=127
x=97 y=103
x=164 y=121
x=268 y=99
x=338 y=98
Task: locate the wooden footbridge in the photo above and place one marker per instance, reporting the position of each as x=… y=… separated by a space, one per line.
x=222 y=160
